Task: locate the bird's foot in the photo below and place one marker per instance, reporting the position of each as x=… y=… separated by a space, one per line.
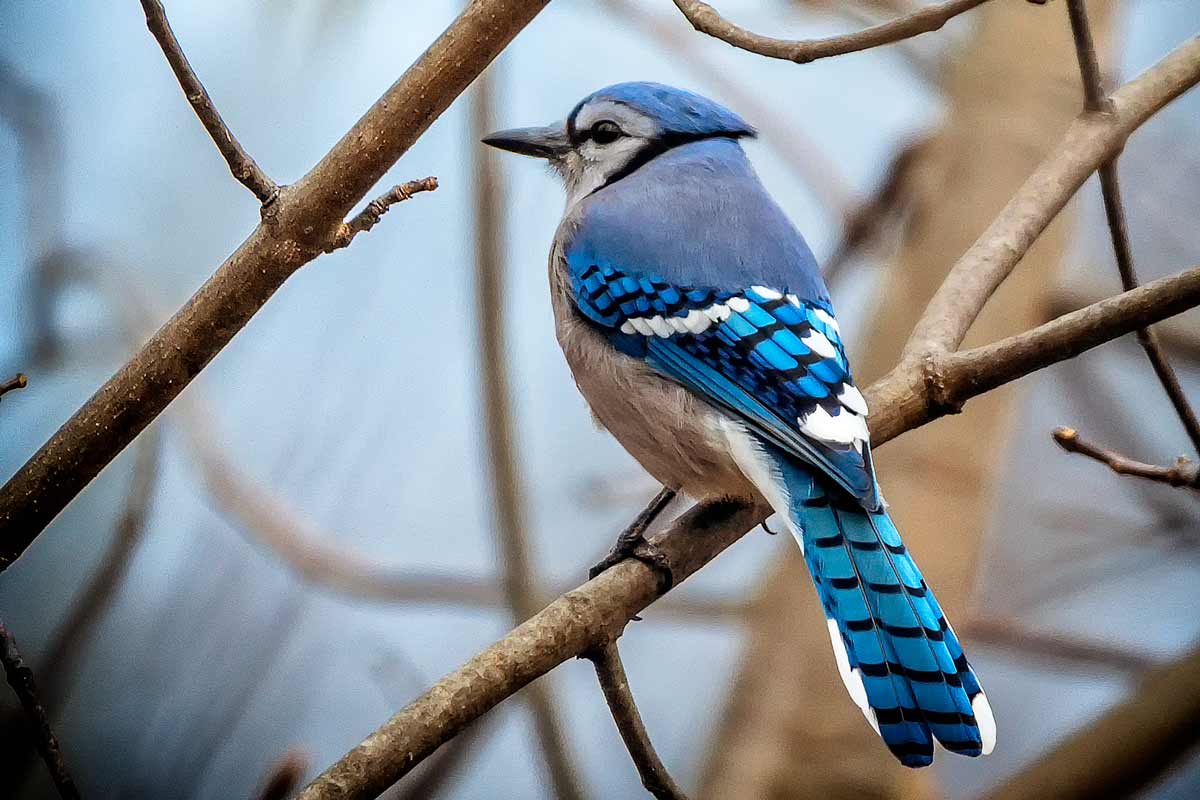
x=641 y=550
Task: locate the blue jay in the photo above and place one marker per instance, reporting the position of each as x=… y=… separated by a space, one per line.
x=696 y=323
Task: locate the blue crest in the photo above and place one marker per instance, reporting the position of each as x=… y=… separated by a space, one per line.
x=679 y=112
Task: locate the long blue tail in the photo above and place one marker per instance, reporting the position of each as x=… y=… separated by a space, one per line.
x=898 y=657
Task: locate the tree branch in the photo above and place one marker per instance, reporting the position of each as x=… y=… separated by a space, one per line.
x=1114 y=211
x=20 y=678
x=610 y=672
x=1125 y=749
x=297 y=228
x=1183 y=473
x=593 y=614
x=240 y=163
x=705 y=19
x=1090 y=141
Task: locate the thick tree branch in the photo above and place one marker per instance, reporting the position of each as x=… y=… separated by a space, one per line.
x=1114 y=211
x=1089 y=142
x=705 y=19
x=240 y=163
x=1182 y=473
x=610 y=672
x=297 y=228
x=20 y=678
x=1124 y=750
x=596 y=612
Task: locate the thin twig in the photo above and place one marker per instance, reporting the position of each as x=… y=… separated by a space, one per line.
x=284 y=776
x=595 y=612
x=364 y=220
x=1183 y=473
x=705 y=19
x=1114 y=210
x=18 y=381
x=20 y=678
x=240 y=163
x=610 y=672
x=516 y=567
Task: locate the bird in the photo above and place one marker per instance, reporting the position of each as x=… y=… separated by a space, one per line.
x=697 y=326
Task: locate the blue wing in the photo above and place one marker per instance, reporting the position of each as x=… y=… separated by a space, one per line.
x=772 y=359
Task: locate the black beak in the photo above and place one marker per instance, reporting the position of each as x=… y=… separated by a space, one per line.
x=548 y=142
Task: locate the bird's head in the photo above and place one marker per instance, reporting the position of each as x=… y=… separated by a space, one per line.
x=612 y=132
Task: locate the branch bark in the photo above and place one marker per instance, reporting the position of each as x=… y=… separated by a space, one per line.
x=705 y=19
x=593 y=614
x=18 y=381
x=241 y=165
x=297 y=228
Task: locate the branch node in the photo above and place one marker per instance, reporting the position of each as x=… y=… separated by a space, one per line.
x=939 y=399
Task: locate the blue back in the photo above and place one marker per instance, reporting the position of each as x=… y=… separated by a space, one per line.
x=697 y=215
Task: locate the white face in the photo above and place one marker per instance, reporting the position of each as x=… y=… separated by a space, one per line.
x=612 y=135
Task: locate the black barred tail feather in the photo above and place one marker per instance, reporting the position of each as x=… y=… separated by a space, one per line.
x=897 y=654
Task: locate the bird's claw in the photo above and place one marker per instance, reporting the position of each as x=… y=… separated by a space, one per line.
x=643 y=551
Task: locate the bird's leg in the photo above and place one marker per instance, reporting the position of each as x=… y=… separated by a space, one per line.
x=632 y=542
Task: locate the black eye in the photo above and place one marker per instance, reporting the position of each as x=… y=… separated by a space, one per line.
x=605 y=132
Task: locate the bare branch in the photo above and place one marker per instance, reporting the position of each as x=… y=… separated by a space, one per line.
x=516 y=567
x=1183 y=473
x=240 y=163
x=594 y=613
x=20 y=678
x=307 y=215
x=366 y=219
x=705 y=19
x=1114 y=211
x=610 y=672
x=1090 y=141
x=1124 y=750
x=284 y=776
x=18 y=381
